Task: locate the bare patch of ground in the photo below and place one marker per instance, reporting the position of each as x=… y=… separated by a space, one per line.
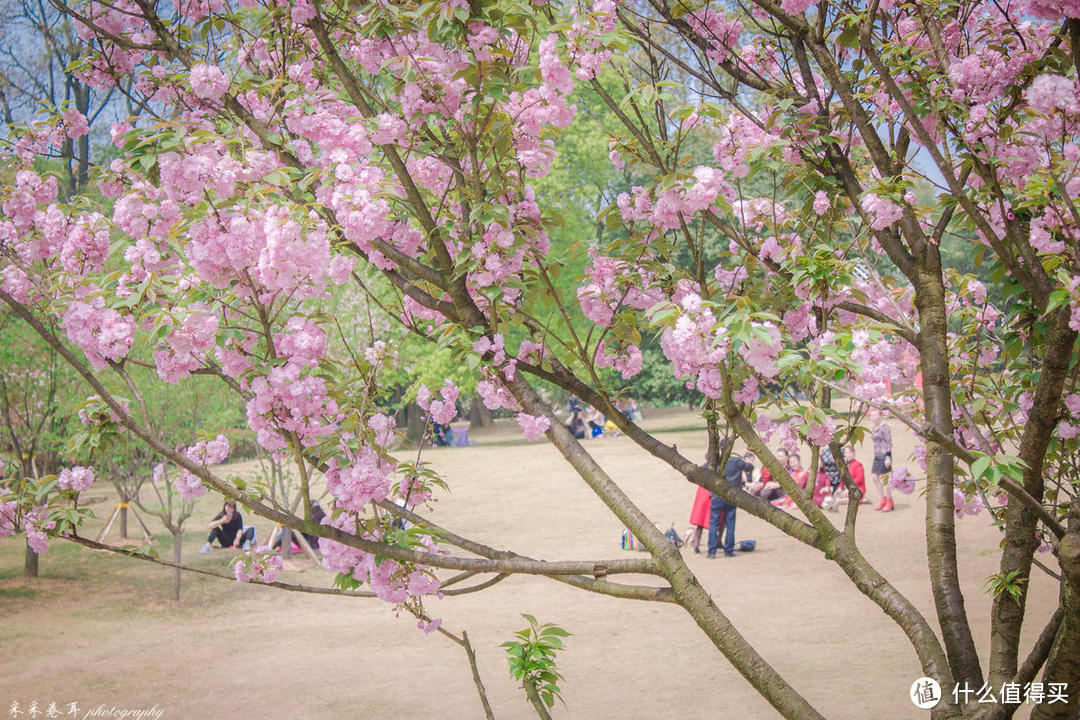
x=98 y=629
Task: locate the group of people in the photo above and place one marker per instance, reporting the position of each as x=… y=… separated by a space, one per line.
x=227 y=529
x=589 y=422
x=829 y=491
x=713 y=512
x=442 y=435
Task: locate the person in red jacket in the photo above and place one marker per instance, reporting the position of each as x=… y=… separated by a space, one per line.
x=823 y=493
x=858 y=476
x=766 y=486
x=858 y=473
x=800 y=476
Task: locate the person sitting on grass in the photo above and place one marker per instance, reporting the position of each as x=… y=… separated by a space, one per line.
x=766 y=486
x=858 y=476
x=317 y=515
x=828 y=479
x=794 y=465
x=576 y=425
x=596 y=421
x=797 y=473
x=228 y=529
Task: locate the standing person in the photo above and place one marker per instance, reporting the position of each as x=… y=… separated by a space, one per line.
x=737 y=472
x=228 y=529
x=881 y=435
x=699 y=517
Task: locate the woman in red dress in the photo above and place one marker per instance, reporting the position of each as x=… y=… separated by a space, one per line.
x=699 y=517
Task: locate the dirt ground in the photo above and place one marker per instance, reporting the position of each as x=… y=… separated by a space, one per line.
x=101 y=630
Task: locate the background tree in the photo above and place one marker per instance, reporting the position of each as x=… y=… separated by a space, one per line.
x=39 y=47
x=193 y=415
x=35 y=402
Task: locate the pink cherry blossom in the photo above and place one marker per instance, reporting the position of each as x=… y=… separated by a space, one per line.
x=821 y=433
x=285 y=402
x=964 y=504
x=748 y=393
x=208 y=82
x=1052 y=92
x=821 y=202
x=188 y=486
x=75 y=124
x=37 y=527
x=534 y=426
x=302 y=342
x=102 y=333
x=796 y=6
x=76 y=478
x=441 y=410
x=359 y=478
x=1067 y=431
x=263 y=565
x=883 y=212
x=628 y=362
x=7 y=517
x=901 y=480
x=429 y=627
x=209 y=452
x=760 y=353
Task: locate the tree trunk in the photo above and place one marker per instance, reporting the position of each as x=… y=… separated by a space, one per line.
x=1063 y=665
x=1020 y=542
x=537 y=703
x=414 y=416
x=479 y=416
x=30 y=564
x=940 y=519
x=178 y=537
x=123 y=521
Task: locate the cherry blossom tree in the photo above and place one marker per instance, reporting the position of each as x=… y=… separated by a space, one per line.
x=34 y=392
x=800 y=166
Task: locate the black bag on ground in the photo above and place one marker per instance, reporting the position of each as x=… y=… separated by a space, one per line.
x=673 y=537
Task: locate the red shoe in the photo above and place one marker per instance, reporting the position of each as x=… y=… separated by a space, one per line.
x=881 y=504
x=889 y=505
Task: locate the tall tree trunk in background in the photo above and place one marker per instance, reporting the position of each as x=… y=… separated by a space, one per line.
x=177 y=550
x=30 y=565
x=479 y=416
x=414 y=417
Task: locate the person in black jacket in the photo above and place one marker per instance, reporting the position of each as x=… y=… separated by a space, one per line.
x=227 y=528
x=738 y=471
